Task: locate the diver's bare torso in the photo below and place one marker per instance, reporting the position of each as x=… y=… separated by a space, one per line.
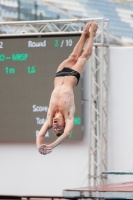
x=62 y=97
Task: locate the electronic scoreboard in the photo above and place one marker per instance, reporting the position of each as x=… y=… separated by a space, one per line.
x=27 y=70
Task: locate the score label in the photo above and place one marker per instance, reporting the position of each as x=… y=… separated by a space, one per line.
x=39 y=108
x=33 y=44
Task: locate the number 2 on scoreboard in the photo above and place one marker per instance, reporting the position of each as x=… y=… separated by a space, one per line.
x=1 y=44
x=56 y=44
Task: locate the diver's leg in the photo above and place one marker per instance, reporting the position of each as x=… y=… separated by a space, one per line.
x=80 y=64
x=78 y=49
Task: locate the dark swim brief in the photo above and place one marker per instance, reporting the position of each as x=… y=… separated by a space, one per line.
x=66 y=71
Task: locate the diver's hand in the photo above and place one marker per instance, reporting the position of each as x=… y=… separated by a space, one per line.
x=45 y=149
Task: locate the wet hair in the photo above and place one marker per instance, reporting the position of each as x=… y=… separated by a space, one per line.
x=58 y=134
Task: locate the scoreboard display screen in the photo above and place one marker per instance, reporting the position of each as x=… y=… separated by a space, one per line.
x=27 y=71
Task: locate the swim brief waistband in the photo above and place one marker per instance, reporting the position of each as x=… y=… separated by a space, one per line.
x=66 y=71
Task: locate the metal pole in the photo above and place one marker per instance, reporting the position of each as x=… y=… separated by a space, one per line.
x=36 y=8
x=19 y=10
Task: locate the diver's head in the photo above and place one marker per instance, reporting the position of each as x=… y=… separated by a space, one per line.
x=58 y=124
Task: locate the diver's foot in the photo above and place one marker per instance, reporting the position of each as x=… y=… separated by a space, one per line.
x=93 y=28
x=86 y=31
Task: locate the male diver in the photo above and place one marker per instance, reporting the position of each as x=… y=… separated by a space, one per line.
x=61 y=110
